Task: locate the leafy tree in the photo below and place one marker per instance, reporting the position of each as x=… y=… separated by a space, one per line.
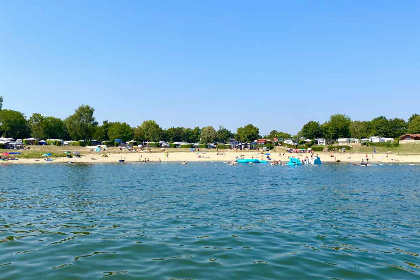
x=53 y=128
x=13 y=124
x=279 y=135
x=118 y=130
x=311 y=130
x=338 y=126
x=223 y=134
x=208 y=134
x=36 y=125
x=414 y=125
x=175 y=134
x=192 y=135
x=101 y=132
x=247 y=133
x=81 y=125
x=359 y=129
x=150 y=131
x=398 y=127
x=412 y=117
x=380 y=126
x=138 y=134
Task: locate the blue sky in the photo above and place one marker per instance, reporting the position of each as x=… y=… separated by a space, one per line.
x=276 y=64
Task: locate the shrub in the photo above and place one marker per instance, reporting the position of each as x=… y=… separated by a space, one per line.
x=77 y=143
x=54 y=142
x=2 y=145
x=156 y=144
x=223 y=147
x=187 y=146
x=172 y=145
x=25 y=142
x=202 y=146
x=116 y=144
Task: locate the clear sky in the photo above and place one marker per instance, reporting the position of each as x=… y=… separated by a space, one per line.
x=276 y=64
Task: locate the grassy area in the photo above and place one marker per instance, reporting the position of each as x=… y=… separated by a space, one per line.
x=402 y=149
x=31 y=154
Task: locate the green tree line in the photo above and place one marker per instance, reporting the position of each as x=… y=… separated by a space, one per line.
x=82 y=125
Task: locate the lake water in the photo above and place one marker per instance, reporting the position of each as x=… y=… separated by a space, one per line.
x=209 y=221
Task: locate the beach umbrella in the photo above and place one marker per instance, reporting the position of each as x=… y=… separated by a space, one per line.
x=267 y=154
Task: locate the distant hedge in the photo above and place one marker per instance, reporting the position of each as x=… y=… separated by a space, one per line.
x=54 y=142
x=223 y=147
x=202 y=146
x=77 y=143
x=189 y=146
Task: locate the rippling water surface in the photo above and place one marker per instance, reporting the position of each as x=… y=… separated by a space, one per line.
x=209 y=221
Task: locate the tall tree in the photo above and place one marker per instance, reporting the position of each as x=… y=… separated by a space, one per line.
x=208 y=134
x=414 y=125
x=150 y=131
x=380 y=126
x=175 y=134
x=247 y=133
x=192 y=135
x=311 y=130
x=412 y=117
x=118 y=130
x=359 y=129
x=36 y=125
x=53 y=128
x=223 y=134
x=13 y=124
x=101 y=132
x=398 y=127
x=138 y=134
x=81 y=125
x=337 y=127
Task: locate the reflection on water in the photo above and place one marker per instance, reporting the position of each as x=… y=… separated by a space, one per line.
x=209 y=221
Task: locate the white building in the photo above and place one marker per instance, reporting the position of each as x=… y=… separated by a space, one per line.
x=377 y=139
x=343 y=141
x=321 y=141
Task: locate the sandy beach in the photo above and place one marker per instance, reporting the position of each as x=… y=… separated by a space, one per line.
x=174 y=155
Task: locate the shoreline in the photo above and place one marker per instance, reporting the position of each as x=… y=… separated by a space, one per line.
x=221 y=156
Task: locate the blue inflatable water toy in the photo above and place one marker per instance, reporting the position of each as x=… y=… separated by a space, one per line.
x=294 y=161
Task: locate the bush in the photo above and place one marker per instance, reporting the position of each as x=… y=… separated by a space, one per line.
x=25 y=142
x=54 y=142
x=116 y=144
x=77 y=143
x=2 y=145
x=156 y=144
x=202 y=146
x=172 y=145
x=187 y=146
x=223 y=147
